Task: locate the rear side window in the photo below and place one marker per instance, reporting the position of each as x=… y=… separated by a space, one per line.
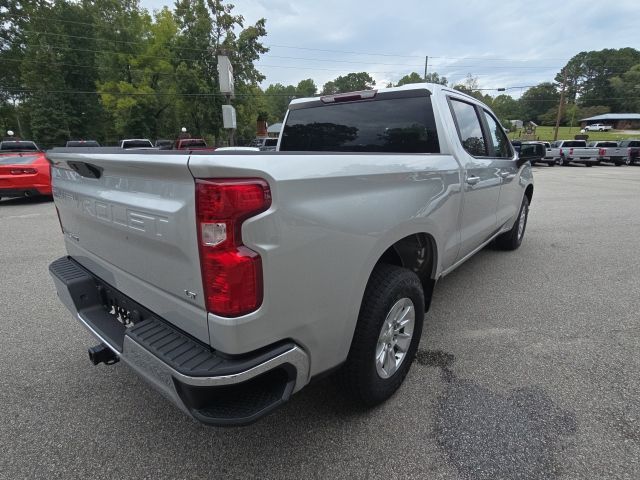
x=271 y=142
x=469 y=128
x=398 y=125
x=498 y=137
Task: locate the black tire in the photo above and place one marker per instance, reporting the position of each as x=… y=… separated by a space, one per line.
x=589 y=164
x=511 y=240
x=359 y=377
x=551 y=164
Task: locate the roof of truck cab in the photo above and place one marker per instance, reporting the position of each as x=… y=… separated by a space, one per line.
x=430 y=87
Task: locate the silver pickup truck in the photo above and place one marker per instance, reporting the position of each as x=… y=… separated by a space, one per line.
x=231 y=280
x=567 y=151
x=610 y=152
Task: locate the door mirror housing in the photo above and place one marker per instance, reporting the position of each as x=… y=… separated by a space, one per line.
x=532 y=151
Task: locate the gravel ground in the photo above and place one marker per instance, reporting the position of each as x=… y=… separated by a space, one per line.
x=528 y=368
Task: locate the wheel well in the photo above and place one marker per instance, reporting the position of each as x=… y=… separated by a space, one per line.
x=416 y=252
x=529 y=193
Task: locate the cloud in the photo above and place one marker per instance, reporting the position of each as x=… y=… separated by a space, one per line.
x=504 y=45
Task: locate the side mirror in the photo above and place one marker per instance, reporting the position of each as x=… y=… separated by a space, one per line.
x=532 y=151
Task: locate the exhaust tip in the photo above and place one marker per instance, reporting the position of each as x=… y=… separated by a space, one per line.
x=102 y=354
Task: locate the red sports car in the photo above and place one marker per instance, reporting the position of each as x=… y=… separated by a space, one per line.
x=24 y=170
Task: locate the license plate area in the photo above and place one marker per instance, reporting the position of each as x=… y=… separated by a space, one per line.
x=121 y=308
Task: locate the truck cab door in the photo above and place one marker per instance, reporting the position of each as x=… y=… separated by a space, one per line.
x=504 y=159
x=481 y=178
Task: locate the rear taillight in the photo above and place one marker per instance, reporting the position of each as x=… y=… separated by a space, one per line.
x=571 y=151
x=23 y=171
x=231 y=272
x=601 y=152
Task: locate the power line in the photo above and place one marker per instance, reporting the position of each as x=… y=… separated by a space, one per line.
x=268 y=54
x=173 y=94
x=147 y=94
x=348 y=52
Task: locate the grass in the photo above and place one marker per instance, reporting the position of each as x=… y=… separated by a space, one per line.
x=567 y=133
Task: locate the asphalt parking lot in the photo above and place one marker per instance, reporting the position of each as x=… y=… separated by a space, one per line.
x=528 y=368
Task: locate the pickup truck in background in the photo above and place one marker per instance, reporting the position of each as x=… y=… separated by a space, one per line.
x=633 y=150
x=230 y=279
x=598 y=127
x=136 y=144
x=566 y=151
x=610 y=152
x=265 y=144
x=192 y=144
x=82 y=143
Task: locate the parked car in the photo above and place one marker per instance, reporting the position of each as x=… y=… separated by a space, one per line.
x=265 y=143
x=82 y=143
x=610 y=152
x=164 y=144
x=24 y=170
x=633 y=150
x=566 y=151
x=598 y=127
x=136 y=143
x=192 y=144
x=245 y=276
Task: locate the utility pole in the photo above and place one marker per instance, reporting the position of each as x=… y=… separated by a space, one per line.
x=564 y=84
x=426 y=64
x=15 y=110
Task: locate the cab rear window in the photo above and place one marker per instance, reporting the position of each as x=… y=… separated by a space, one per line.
x=395 y=125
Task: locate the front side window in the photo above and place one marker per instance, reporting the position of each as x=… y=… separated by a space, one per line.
x=498 y=138
x=469 y=128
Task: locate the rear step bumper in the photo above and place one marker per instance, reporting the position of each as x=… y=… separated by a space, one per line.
x=213 y=388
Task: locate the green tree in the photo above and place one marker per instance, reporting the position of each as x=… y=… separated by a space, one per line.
x=471 y=87
x=414 y=77
x=537 y=101
x=306 y=88
x=277 y=98
x=589 y=75
x=349 y=83
x=506 y=108
x=627 y=87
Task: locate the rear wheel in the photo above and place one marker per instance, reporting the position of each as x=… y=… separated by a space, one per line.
x=589 y=164
x=551 y=164
x=512 y=239
x=386 y=336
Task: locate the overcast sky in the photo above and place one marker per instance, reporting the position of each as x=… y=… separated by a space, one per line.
x=515 y=44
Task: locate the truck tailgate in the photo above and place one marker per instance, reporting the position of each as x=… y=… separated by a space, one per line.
x=130 y=219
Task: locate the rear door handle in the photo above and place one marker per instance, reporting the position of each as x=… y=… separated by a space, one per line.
x=472 y=180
